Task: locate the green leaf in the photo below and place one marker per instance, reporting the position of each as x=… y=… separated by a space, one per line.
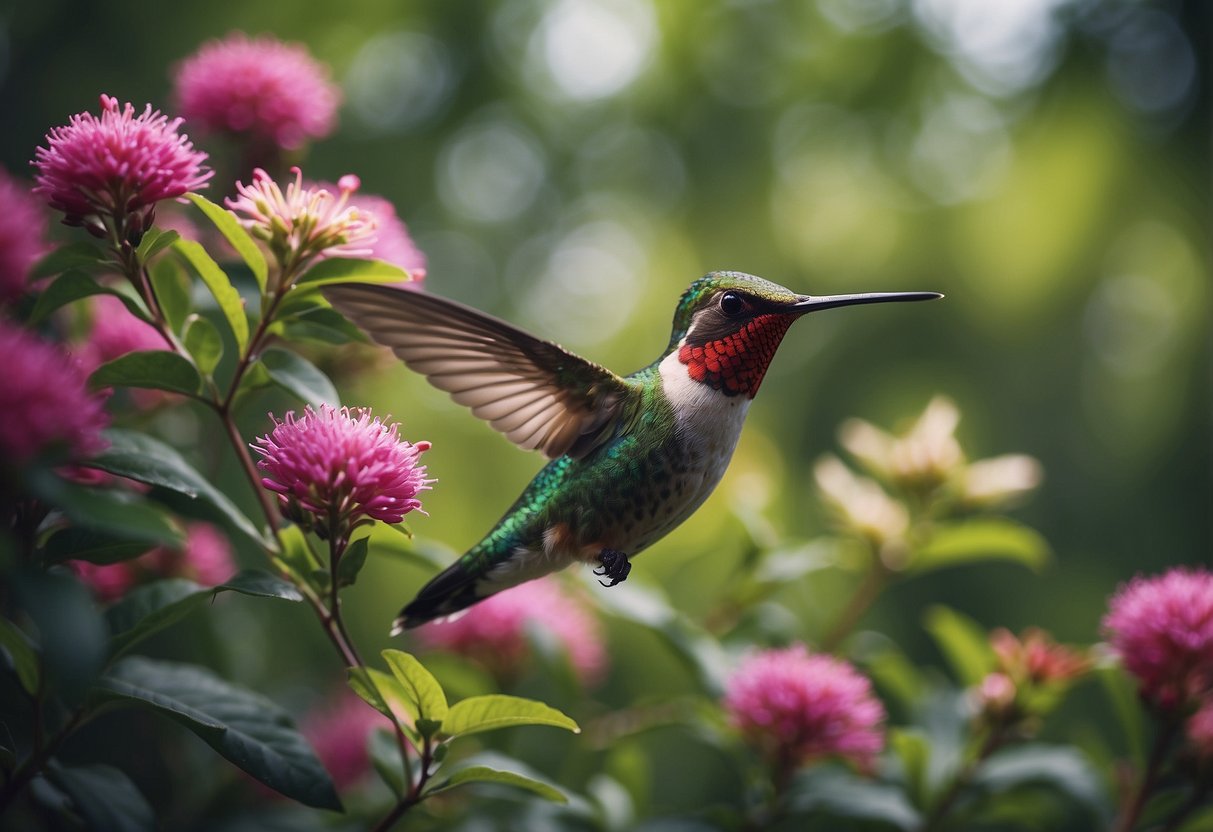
x=172 y=291
x=79 y=543
x=385 y=757
x=297 y=557
x=386 y=695
x=21 y=654
x=974 y=541
x=913 y=748
x=1063 y=768
x=104 y=798
x=258 y=583
x=321 y=324
x=82 y=255
x=1127 y=705
x=72 y=286
x=122 y=513
x=333 y=270
x=351 y=562
x=840 y=794
x=204 y=343
x=150 y=608
x=235 y=234
x=487 y=713
x=244 y=727
x=229 y=300
x=963 y=642
x=148 y=460
x=420 y=686
x=299 y=377
x=484 y=774
x=156 y=369
x=155 y=241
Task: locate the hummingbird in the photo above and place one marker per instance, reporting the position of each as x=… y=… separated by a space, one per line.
x=631 y=457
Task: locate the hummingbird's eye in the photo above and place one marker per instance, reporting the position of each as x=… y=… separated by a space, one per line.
x=732 y=304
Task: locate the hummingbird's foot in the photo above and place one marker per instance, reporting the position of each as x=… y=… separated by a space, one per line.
x=615 y=567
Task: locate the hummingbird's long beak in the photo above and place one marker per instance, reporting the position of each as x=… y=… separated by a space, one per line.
x=809 y=303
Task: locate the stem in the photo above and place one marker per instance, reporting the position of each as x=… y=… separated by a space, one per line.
x=414 y=796
x=38 y=759
x=337 y=547
x=865 y=595
x=1149 y=780
x=944 y=805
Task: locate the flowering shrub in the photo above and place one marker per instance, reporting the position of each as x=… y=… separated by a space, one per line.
x=124 y=524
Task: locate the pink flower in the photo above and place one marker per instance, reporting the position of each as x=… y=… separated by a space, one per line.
x=22 y=236
x=495 y=631
x=339 y=730
x=272 y=90
x=45 y=401
x=393 y=243
x=304 y=223
x=798 y=707
x=205 y=558
x=116 y=166
x=1035 y=658
x=342 y=462
x=1200 y=730
x=995 y=695
x=1162 y=627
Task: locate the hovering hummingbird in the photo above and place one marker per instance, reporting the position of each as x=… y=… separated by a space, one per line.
x=631 y=456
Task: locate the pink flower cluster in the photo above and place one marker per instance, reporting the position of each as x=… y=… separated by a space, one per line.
x=798 y=707
x=262 y=87
x=303 y=223
x=1162 y=628
x=116 y=166
x=22 y=236
x=494 y=631
x=393 y=243
x=338 y=730
x=342 y=463
x=205 y=558
x=45 y=401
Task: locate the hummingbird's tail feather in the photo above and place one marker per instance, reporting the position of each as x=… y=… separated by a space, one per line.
x=452 y=590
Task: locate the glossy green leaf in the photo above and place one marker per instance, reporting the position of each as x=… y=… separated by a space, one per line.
x=153 y=607
x=321 y=324
x=172 y=291
x=148 y=460
x=419 y=685
x=974 y=541
x=1126 y=703
x=155 y=369
x=484 y=774
x=104 y=798
x=352 y=561
x=122 y=513
x=913 y=749
x=204 y=343
x=841 y=795
x=229 y=300
x=155 y=241
x=487 y=713
x=297 y=557
x=80 y=543
x=333 y=270
x=72 y=286
x=80 y=255
x=244 y=727
x=147 y=609
x=21 y=655
x=299 y=377
x=963 y=642
x=225 y=221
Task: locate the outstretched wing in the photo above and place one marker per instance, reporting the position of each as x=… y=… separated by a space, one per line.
x=535 y=392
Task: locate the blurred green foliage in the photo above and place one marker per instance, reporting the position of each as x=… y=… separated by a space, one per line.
x=572 y=165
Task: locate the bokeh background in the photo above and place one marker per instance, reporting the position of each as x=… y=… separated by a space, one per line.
x=571 y=165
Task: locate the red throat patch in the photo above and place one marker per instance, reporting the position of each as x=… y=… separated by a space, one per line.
x=736 y=363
